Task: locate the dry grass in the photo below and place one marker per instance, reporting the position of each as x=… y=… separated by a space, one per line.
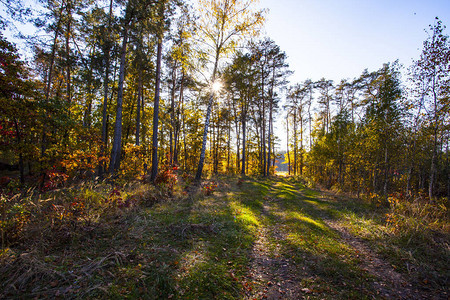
x=137 y=241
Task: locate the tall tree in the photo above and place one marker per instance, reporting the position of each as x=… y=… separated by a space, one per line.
x=278 y=70
x=241 y=77
x=432 y=74
x=117 y=137
x=18 y=110
x=297 y=101
x=325 y=88
x=383 y=117
x=223 y=24
x=160 y=35
x=106 y=48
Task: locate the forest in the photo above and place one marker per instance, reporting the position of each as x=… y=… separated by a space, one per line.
x=163 y=121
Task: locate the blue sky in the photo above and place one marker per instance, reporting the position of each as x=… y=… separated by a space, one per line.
x=338 y=39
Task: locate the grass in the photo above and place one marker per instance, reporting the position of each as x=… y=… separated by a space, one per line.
x=331 y=265
x=199 y=245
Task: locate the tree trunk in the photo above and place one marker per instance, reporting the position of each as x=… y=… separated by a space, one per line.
x=295 y=142
x=172 y=115
x=138 y=109
x=386 y=173
x=244 y=128
x=183 y=119
x=301 y=142
x=212 y=145
x=177 y=127
x=116 y=147
x=154 y=170
x=238 y=145
x=269 y=137
x=21 y=168
x=105 y=95
x=448 y=175
x=68 y=32
x=201 y=162
x=287 y=144
x=228 y=145
x=263 y=131
x=434 y=156
x=129 y=123
x=88 y=109
x=49 y=80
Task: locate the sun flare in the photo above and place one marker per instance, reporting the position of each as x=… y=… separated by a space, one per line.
x=216 y=86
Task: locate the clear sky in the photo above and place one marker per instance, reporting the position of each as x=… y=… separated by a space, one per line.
x=338 y=39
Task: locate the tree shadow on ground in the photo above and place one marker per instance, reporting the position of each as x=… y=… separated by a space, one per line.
x=327 y=264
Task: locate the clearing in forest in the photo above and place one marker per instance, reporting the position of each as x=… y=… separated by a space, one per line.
x=248 y=239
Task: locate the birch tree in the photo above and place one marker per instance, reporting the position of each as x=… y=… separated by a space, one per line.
x=222 y=25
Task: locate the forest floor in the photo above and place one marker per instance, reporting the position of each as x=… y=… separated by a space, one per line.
x=248 y=239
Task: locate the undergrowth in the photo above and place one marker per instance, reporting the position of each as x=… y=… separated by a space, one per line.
x=412 y=233
x=175 y=240
x=134 y=240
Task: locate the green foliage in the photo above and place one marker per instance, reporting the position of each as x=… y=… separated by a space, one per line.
x=20 y=112
x=15 y=214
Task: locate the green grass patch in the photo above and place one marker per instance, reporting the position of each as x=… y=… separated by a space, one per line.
x=133 y=241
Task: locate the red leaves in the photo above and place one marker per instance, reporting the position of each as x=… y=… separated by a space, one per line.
x=166 y=179
x=115 y=199
x=77 y=208
x=55 y=179
x=210 y=188
x=7 y=133
x=114 y=192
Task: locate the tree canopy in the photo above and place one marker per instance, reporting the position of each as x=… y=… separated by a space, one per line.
x=124 y=88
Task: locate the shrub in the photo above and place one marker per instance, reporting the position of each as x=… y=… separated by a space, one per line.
x=55 y=179
x=209 y=188
x=166 y=180
x=133 y=161
x=415 y=213
x=14 y=216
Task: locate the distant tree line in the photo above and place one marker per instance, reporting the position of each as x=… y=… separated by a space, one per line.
x=375 y=133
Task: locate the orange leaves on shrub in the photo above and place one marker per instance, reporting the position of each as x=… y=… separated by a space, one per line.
x=133 y=160
x=55 y=179
x=209 y=188
x=166 y=179
x=81 y=160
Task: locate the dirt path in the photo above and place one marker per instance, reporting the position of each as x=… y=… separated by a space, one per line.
x=389 y=283
x=272 y=276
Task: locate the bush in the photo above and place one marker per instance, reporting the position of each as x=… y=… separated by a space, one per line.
x=133 y=161
x=209 y=188
x=14 y=216
x=166 y=180
x=415 y=213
